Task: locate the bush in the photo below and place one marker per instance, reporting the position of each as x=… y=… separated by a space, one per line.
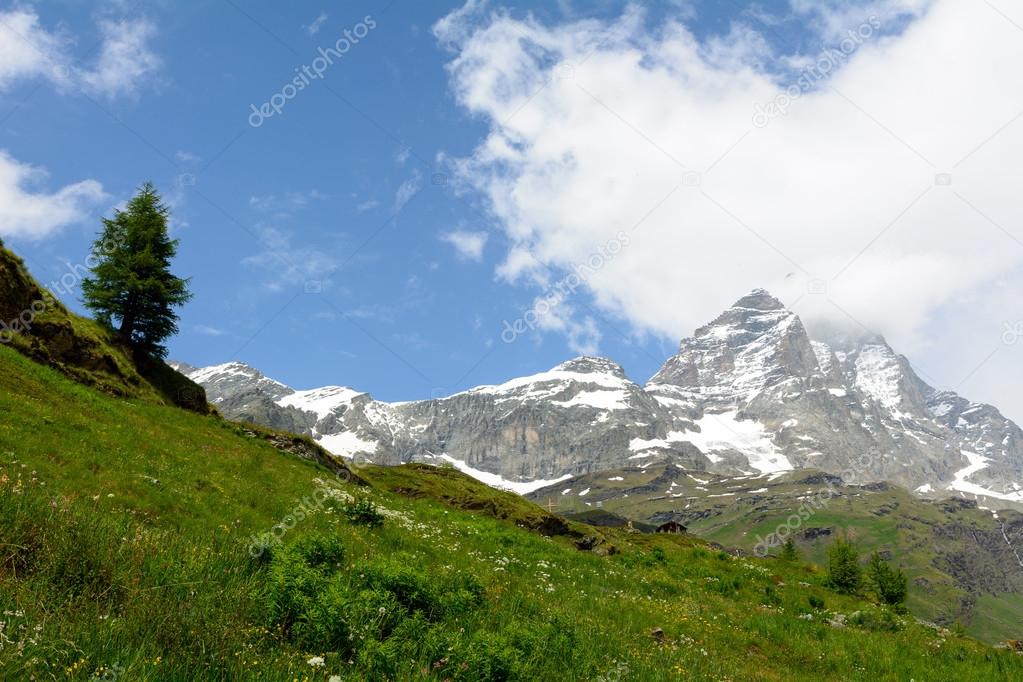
x=844 y=572
x=363 y=512
x=816 y=602
x=883 y=621
x=299 y=575
x=889 y=584
x=313 y=601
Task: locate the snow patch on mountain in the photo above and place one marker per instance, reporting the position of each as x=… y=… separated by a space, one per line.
x=878 y=374
x=320 y=401
x=495 y=481
x=602 y=400
x=725 y=431
x=978 y=463
x=347 y=444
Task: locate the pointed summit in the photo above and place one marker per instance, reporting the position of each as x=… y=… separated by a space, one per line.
x=588 y=364
x=759 y=299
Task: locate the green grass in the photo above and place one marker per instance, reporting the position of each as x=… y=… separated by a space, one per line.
x=954 y=557
x=126 y=552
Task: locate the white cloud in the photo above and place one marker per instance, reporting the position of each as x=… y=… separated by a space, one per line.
x=317 y=23
x=287 y=201
x=35 y=213
x=598 y=127
x=288 y=264
x=408 y=189
x=207 y=330
x=125 y=60
x=29 y=51
x=468 y=245
x=582 y=336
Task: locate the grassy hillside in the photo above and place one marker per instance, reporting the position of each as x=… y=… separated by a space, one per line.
x=960 y=567
x=138 y=541
x=36 y=324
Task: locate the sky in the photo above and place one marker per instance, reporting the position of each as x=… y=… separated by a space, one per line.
x=414 y=198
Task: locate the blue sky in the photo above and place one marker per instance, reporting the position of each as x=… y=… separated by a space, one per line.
x=357 y=238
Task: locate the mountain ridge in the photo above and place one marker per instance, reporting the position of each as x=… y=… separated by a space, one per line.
x=750 y=392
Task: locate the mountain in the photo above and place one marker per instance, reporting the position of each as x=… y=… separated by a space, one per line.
x=749 y=393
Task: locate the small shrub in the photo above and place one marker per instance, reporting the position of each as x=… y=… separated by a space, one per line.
x=362 y=512
x=816 y=602
x=299 y=574
x=789 y=552
x=883 y=621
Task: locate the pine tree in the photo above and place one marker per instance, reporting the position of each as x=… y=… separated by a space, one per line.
x=844 y=572
x=888 y=583
x=131 y=283
x=789 y=552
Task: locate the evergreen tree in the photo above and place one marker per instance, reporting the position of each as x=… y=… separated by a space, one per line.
x=844 y=572
x=789 y=552
x=888 y=583
x=131 y=283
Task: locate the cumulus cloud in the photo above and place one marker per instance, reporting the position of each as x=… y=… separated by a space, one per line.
x=28 y=211
x=468 y=245
x=888 y=182
x=125 y=59
x=29 y=51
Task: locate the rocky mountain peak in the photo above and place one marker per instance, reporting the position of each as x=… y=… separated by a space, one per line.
x=759 y=299
x=587 y=364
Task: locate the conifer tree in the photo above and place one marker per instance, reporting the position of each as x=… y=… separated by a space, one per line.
x=131 y=288
x=844 y=571
x=888 y=583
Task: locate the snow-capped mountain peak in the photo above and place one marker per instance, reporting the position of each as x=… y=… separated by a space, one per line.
x=748 y=393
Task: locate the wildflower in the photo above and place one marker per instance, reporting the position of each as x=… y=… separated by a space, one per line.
x=316 y=661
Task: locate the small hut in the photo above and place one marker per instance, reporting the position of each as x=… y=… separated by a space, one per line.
x=671 y=527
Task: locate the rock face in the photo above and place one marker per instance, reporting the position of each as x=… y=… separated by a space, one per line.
x=749 y=393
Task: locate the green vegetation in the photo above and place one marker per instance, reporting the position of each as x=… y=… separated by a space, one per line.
x=131 y=279
x=125 y=529
x=953 y=554
x=844 y=572
x=789 y=552
x=889 y=584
